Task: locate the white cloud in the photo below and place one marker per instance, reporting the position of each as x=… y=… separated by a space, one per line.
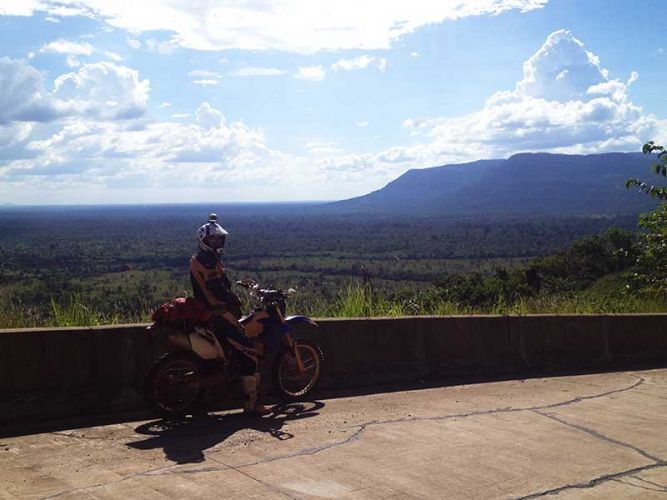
x=208 y=117
x=562 y=69
x=66 y=47
x=164 y=48
x=634 y=76
x=19 y=7
x=165 y=105
x=313 y=73
x=23 y=97
x=14 y=133
x=564 y=103
x=93 y=155
x=322 y=148
x=257 y=71
x=113 y=56
x=50 y=19
x=73 y=50
x=360 y=62
x=133 y=43
x=414 y=54
x=103 y=90
x=362 y=124
x=289 y=25
x=202 y=73
x=206 y=82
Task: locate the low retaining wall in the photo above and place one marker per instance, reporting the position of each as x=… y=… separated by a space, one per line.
x=47 y=373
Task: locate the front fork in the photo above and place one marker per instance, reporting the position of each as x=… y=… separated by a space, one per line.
x=297 y=355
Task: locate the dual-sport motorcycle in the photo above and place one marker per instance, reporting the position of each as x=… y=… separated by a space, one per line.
x=195 y=360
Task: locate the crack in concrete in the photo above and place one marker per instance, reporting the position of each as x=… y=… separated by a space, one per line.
x=658 y=462
x=362 y=427
x=625 y=482
x=595 y=481
x=357 y=435
x=596 y=434
x=250 y=476
x=657 y=485
x=108 y=483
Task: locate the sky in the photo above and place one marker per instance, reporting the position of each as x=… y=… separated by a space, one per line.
x=169 y=101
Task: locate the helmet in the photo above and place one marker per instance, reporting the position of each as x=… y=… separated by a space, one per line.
x=211 y=236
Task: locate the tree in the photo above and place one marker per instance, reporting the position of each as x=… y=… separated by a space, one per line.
x=651 y=271
x=660 y=168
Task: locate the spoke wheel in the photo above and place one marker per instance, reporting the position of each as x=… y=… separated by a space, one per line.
x=290 y=382
x=173 y=384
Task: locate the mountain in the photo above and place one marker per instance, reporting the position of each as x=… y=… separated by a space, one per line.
x=524 y=184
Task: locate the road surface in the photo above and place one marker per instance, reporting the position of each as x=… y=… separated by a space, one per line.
x=586 y=436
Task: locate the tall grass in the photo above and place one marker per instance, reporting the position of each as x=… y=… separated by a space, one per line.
x=73 y=310
x=354 y=300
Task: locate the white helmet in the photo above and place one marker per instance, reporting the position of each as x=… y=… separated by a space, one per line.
x=211 y=236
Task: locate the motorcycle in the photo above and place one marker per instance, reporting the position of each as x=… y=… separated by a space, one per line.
x=195 y=359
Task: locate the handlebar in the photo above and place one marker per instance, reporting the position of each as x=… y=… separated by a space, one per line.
x=255 y=290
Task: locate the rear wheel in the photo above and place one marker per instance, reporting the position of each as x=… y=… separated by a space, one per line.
x=173 y=385
x=290 y=383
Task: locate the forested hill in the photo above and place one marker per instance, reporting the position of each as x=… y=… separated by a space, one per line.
x=524 y=184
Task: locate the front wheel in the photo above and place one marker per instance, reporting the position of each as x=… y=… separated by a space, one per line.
x=290 y=383
x=172 y=386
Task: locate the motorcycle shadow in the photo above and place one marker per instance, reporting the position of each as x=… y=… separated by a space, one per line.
x=185 y=440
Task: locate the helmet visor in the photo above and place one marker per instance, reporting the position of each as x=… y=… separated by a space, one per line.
x=215 y=241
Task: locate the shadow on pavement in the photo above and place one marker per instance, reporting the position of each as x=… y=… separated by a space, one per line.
x=185 y=440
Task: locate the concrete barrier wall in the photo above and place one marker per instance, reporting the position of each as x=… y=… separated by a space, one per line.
x=47 y=373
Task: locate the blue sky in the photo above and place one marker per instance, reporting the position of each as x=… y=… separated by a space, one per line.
x=258 y=100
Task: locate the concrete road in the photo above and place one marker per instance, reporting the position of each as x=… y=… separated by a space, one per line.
x=590 y=436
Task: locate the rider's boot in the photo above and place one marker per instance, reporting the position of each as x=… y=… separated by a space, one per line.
x=251 y=406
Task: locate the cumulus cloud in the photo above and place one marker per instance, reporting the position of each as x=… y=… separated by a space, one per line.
x=111 y=152
x=360 y=62
x=565 y=102
x=561 y=70
x=286 y=25
x=14 y=133
x=23 y=97
x=103 y=90
x=313 y=73
x=209 y=117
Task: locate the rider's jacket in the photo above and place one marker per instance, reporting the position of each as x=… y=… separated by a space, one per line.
x=211 y=284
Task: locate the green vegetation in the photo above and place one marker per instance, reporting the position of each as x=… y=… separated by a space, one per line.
x=102 y=265
x=651 y=270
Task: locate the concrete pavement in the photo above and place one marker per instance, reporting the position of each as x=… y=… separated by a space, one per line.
x=590 y=436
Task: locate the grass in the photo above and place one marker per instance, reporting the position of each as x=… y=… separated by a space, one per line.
x=73 y=310
x=353 y=300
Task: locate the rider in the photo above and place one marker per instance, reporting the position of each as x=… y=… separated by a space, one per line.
x=211 y=284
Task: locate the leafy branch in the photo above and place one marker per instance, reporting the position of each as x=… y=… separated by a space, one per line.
x=659 y=167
